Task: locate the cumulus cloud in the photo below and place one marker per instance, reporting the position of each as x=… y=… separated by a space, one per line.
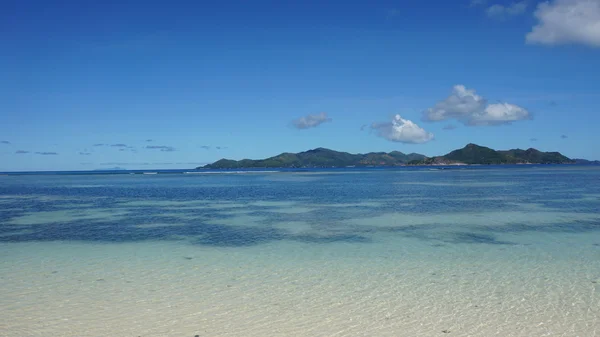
x=533 y=139
x=162 y=148
x=565 y=22
x=220 y=147
x=500 y=113
x=363 y=127
x=460 y=105
x=119 y=145
x=500 y=11
x=449 y=127
x=206 y=147
x=402 y=130
x=21 y=152
x=84 y=153
x=4 y=142
x=149 y=140
x=97 y=145
x=564 y=136
x=311 y=121
x=467 y=107
x=47 y=153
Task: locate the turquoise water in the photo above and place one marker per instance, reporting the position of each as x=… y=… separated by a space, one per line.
x=403 y=252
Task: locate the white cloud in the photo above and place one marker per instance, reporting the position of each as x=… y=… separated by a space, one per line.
x=460 y=105
x=567 y=21
x=403 y=131
x=500 y=11
x=499 y=113
x=311 y=121
x=469 y=108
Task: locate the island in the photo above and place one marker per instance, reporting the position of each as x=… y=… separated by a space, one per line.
x=471 y=154
x=586 y=162
x=320 y=157
x=474 y=154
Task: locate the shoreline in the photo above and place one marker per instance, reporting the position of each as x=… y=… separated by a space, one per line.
x=202 y=170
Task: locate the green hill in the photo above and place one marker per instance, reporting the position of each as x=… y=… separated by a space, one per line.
x=474 y=154
x=471 y=154
x=535 y=156
x=319 y=157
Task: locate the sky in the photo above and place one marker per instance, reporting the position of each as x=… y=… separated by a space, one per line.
x=89 y=85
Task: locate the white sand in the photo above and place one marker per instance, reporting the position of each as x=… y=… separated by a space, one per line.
x=402 y=288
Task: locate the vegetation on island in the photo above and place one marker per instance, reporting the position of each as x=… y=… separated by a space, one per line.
x=320 y=157
x=471 y=154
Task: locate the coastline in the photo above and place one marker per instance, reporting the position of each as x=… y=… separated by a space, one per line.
x=204 y=170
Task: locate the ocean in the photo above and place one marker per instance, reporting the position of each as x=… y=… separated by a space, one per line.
x=476 y=251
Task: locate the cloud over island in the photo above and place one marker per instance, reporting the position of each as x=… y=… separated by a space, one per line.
x=311 y=121
x=465 y=106
x=402 y=130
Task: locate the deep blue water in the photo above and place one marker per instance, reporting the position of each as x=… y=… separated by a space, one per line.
x=28 y=199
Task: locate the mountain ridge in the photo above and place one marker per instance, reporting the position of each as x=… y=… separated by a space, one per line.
x=471 y=154
x=320 y=157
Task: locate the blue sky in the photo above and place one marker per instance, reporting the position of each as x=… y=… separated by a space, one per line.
x=182 y=82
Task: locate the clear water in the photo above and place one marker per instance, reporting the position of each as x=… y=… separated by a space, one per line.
x=484 y=252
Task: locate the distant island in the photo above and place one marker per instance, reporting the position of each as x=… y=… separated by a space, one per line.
x=320 y=157
x=586 y=162
x=471 y=154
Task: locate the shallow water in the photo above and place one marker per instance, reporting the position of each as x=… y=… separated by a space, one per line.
x=486 y=252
